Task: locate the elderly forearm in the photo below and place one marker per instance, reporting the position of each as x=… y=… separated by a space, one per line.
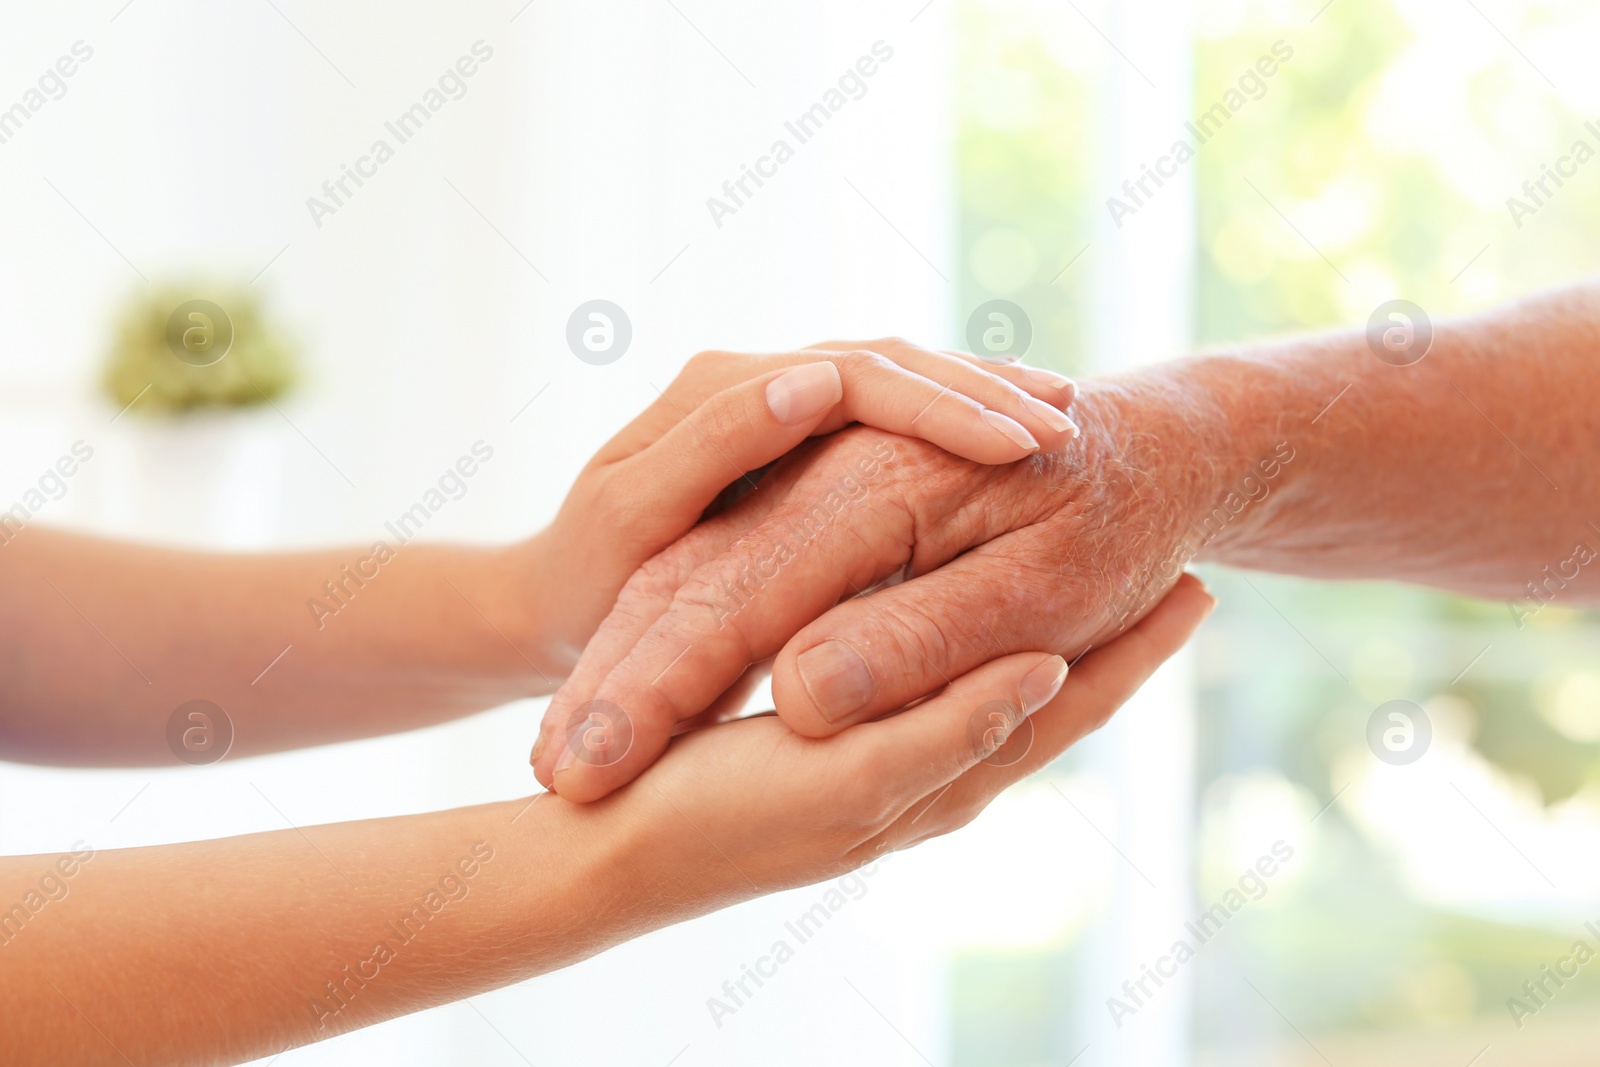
x=1472 y=469
x=110 y=639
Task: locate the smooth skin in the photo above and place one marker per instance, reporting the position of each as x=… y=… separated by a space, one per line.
x=1471 y=469
x=247 y=946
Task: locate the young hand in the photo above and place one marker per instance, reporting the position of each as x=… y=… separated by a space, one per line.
x=771 y=809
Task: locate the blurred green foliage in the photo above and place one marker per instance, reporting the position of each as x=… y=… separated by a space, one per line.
x=258 y=366
x=1024 y=180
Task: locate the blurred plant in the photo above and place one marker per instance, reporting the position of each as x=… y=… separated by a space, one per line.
x=185 y=347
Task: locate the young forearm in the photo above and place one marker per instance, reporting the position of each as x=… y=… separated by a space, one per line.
x=246 y=946
x=295 y=648
x=222 y=951
x=1470 y=470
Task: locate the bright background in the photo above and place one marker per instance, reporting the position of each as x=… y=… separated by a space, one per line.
x=432 y=307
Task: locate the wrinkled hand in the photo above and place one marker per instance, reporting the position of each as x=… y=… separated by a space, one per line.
x=771 y=809
x=728 y=413
x=1055 y=553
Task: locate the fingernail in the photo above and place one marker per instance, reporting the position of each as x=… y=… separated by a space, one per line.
x=1040 y=685
x=1054 y=418
x=836 y=677
x=568 y=758
x=801 y=393
x=1011 y=429
x=538 y=747
x=1048 y=379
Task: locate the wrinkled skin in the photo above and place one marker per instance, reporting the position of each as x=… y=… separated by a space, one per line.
x=649 y=484
x=772 y=809
x=1055 y=553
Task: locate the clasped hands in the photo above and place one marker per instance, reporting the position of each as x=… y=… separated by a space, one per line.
x=915 y=584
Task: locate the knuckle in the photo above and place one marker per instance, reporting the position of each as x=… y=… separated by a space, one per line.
x=722 y=419
x=847 y=471
x=715 y=596
x=917 y=461
x=870 y=801
x=919 y=636
x=1010 y=389
x=655 y=576
x=935 y=818
x=1093 y=714
x=709 y=360
x=699 y=596
x=902 y=465
x=613 y=496
x=857 y=362
x=1096 y=719
x=631 y=610
x=652 y=583
x=959 y=815
x=953 y=810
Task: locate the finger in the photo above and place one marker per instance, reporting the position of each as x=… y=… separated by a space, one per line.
x=1012 y=389
x=1052 y=388
x=953 y=401
x=1047 y=385
x=1005 y=390
x=1099 y=684
x=792 y=566
x=871 y=655
x=997 y=388
x=731 y=704
x=647 y=595
x=642 y=600
x=942 y=409
x=925 y=747
x=667 y=485
x=1106 y=677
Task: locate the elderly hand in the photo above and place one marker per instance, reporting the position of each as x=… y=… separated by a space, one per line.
x=1056 y=553
x=728 y=413
x=769 y=809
